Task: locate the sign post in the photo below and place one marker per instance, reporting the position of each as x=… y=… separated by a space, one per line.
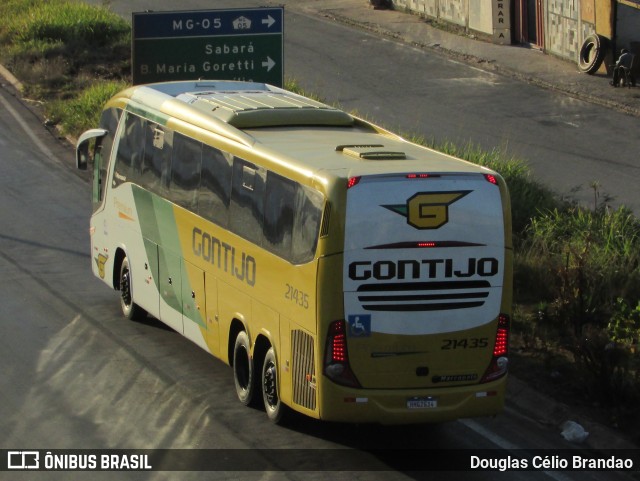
x=235 y=44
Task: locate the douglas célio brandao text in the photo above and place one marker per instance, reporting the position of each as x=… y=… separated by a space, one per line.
x=574 y=462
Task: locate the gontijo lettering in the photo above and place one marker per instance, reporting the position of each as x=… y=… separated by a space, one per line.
x=425 y=268
x=223 y=256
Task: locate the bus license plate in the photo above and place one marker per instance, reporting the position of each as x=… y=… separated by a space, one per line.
x=422 y=403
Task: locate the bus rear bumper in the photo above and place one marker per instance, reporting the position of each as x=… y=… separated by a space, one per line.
x=408 y=406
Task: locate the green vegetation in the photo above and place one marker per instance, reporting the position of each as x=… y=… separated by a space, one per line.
x=69 y=55
x=76 y=114
x=577 y=269
x=583 y=266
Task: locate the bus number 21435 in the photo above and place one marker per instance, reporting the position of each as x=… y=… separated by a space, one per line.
x=298 y=297
x=465 y=343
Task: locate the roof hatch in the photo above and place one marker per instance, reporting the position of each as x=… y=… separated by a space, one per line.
x=371 y=152
x=259 y=108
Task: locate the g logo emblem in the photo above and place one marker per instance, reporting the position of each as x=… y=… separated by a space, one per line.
x=100 y=262
x=428 y=210
x=431 y=211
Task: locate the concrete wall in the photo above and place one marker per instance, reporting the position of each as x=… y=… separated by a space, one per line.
x=481 y=16
x=475 y=15
x=454 y=11
x=564 y=30
x=566 y=23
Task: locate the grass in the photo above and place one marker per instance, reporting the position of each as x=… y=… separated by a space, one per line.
x=76 y=114
x=65 y=52
x=48 y=28
x=577 y=268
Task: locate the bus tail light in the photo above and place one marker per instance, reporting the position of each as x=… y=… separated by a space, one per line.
x=419 y=176
x=353 y=181
x=492 y=179
x=499 y=361
x=336 y=359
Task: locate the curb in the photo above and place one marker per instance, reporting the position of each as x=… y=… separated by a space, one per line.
x=9 y=77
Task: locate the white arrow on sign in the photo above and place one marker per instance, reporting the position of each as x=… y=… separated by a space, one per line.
x=269 y=63
x=268 y=21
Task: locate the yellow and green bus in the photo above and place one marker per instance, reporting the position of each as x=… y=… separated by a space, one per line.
x=340 y=270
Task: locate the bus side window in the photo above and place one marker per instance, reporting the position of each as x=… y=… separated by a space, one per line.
x=130 y=151
x=215 y=186
x=246 y=214
x=102 y=153
x=306 y=229
x=186 y=164
x=157 y=154
x=279 y=213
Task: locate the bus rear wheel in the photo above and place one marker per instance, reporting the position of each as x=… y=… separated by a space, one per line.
x=129 y=308
x=243 y=374
x=270 y=393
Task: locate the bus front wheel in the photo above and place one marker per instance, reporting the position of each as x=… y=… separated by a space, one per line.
x=129 y=308
x=270 y=392
x=243 y=374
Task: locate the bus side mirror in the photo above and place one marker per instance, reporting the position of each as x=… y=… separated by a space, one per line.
x=82 y=147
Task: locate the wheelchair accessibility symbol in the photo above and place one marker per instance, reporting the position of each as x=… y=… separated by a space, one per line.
x=359 y=325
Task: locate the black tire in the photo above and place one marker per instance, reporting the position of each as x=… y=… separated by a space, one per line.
x=243 y=370
x=270 y=392
x=130 y=309
x=592 y=53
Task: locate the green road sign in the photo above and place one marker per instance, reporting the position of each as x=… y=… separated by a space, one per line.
x=238 y=44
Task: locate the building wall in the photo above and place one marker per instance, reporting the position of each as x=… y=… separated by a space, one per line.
x=565 y=29
x=565 y=23
x=569 y=22
x=481 y=16
x=489 y=17
x=454 y=11
x=428 y=8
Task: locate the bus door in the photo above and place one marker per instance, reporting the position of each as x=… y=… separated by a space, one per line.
x=194 y=304
x=146 y=290
x=170 y=285
x=211 y=317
